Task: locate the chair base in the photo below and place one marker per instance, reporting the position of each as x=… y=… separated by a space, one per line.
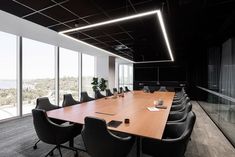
x=59 y=148
x=35 y=145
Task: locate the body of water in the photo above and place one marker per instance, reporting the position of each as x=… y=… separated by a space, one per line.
x=7 y=84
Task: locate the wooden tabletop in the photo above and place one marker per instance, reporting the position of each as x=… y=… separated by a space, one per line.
x=133 y=105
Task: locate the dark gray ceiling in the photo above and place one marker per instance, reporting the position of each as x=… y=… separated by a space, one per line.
x=189 y=23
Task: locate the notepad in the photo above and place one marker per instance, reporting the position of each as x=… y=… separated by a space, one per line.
x=152 y=109
x=114 y=123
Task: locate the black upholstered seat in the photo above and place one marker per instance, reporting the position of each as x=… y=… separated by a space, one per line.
x=52 y=133
x=98 y=95
x=126 y=89
x=69 y=100
x=175 y=139
x=177 y=116
x=100 y=142
x=85 y=97
x=115 y=90
x=121 y=90
x=44 y=104
x=108 y=92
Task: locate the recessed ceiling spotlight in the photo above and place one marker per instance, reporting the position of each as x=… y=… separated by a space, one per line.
x=120 y=47
x=140 y=15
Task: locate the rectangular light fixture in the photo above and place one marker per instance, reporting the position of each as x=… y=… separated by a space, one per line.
x=159 y=15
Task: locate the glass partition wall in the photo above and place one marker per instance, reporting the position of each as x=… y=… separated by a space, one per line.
x=125 y=76
x=8 y=73
x=38 y=73
x=35 y=64
x=221 y=110
x=69 y=73
x=88 y=72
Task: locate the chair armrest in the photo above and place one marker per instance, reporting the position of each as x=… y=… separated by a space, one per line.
x=173 y=130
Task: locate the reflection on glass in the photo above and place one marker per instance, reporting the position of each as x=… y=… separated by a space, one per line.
x=8 y=96
x=221 y=111
x=88 y=72
x=38 y=73
x=126 y=76
x=69 y=73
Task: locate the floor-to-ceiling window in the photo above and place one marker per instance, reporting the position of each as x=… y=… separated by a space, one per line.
x=125 y=78
x=38 y=73
x=88 y=72
x=8 y=73
x=69 y=73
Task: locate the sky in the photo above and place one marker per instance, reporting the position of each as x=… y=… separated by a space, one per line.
x=39 y=60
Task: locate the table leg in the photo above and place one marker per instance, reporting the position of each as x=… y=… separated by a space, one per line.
x=138 y=146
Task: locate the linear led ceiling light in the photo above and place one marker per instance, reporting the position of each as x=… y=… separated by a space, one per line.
x=159 y=15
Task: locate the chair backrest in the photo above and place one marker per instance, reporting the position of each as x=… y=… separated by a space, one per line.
x=98 y=95
x=44 y=104
x=99 y=142
x=121 y=90
x=108 y=92
x=115 y=90
x=183 y=131
x=69 y=100
x=43 y=127
x=85 y=97
x=50 y=132
x=146 y=89
x=162 y=89
x=126 y=89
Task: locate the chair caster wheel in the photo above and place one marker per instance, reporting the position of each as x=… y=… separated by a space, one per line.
x=51 y=154
x=35 y=147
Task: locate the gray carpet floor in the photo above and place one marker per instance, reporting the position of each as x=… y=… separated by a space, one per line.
x=18 y=136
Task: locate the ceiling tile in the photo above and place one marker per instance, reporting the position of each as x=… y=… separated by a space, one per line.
x=40 y=19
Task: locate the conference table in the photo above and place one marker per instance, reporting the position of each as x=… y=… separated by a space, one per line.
x=134 y=106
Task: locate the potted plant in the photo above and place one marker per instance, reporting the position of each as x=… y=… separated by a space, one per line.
x=94 y=83
x=102 y=84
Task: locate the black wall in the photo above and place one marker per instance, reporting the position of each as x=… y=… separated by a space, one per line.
x=189 y=68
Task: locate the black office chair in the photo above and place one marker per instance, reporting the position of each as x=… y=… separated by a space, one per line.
x=85 y=97
x=115 y=90
x=108 y=92
x=163 y=89
x=100 y=142
x=98 y=95
x=180 y=107
x=174 y=142
x=52 y=133
x=180 y=99
x=121 y=90
x=177 y=116
x=69 y=100
x=183 y=101
x=44 y=104
x=126 y=89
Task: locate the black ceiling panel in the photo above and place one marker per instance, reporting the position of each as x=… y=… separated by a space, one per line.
x=58 y=27
x=189 y=23
x=37 y=5
x=14 y=8
x=41 y=20
x=82 y=8
x=59 y=15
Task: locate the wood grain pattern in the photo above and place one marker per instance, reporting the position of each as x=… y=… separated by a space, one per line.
x=133 y=106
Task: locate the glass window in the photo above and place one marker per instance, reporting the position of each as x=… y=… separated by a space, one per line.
x=38 y=73
x=88 y=72
x=126 y=75
x=8 y=92
x=69 y=64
